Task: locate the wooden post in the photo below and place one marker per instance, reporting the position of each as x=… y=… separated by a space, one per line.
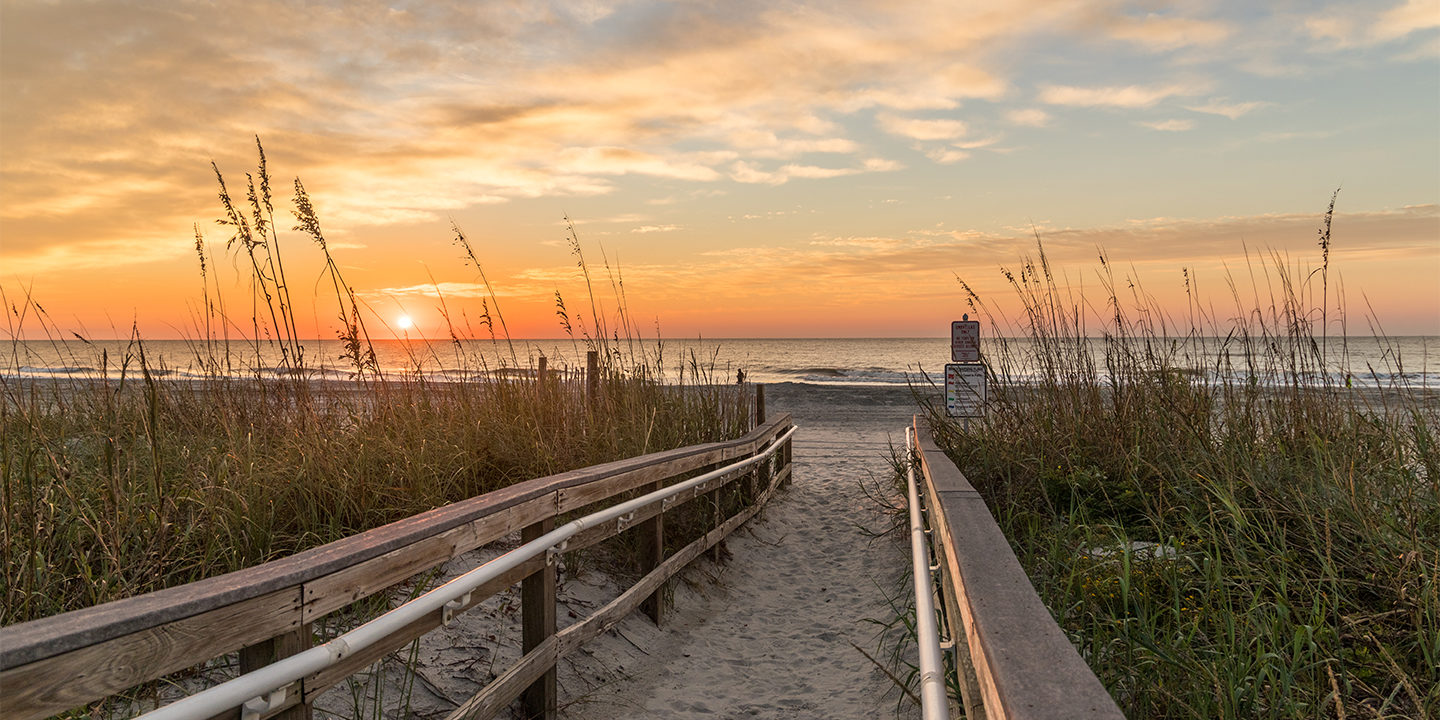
x=652 y=553
x=540 y=372
x=537 y=612
x=786 y=460
x=713 y=498
x=758 y=478
x=716 y=501
x=592 y=377
x=762 y=475
x=264 y=653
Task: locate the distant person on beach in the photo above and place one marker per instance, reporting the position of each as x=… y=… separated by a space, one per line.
x=739 y=377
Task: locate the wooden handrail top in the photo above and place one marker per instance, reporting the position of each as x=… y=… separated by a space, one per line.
x=35 y=640
x=1026 y=667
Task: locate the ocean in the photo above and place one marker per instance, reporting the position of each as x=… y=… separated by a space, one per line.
x=1362 y=361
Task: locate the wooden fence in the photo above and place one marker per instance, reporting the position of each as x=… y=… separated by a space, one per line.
x=1012 y=660
x=265 y=613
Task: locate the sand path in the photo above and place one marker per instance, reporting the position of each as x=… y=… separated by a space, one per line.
x=770 y=637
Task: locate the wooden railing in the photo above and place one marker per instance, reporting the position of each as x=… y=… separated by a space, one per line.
x=1012 y=660
x=265 y=613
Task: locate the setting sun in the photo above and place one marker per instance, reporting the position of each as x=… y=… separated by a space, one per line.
x=404 y=322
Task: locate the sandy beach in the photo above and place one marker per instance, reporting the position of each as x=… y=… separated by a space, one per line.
x=768 y=633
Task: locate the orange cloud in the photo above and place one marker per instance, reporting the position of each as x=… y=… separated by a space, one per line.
x=1126 y=96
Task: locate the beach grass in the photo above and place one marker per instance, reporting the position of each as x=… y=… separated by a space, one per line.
x=1224 y=526
x=126 y=479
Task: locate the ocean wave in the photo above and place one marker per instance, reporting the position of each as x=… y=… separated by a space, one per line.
x=832 y=376
x=811 y=372
x=43 y=371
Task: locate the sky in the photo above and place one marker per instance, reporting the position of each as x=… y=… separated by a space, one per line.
x=746 y=169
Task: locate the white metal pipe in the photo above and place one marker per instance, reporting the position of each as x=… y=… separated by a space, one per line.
x=934 y=701
x=234 y=693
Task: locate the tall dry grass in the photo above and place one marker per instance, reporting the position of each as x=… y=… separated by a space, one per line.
x=1223 y=524
x=128 y=480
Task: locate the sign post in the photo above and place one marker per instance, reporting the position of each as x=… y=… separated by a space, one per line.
x=965 y=341
x=965 y=388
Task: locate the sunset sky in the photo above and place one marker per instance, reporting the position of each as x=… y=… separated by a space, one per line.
x=755 y=169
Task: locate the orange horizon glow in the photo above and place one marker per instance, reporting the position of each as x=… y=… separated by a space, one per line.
x=745 y=172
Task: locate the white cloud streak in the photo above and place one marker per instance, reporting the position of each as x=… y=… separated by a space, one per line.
x=1114 y=96
x=1029 y=117
x=1171 y=125
x=921 y=129
x=1221 y=106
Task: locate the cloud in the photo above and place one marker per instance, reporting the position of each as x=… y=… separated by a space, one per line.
x=1362 y=26
x=918 y=129
x=1220 y=106
x=1160 y=33
x=877 y=164
x=1116 y=96
x=1405 y=18
x=646 y=229
x=110 y=113
x=946 y=156
x=611 y=160
x=1164 y=241
x=745 y=172
x=908 y=271
x=1029 y=117
x=25 y=263
x=432 y=290
x=404 y=115
x=814 y=173
x=1171 y=125
x=762 y=143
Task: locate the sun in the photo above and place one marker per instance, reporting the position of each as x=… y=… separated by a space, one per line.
x=404 y=322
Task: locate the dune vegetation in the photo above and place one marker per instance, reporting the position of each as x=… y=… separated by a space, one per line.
x=1221 y=522
x=126 y=479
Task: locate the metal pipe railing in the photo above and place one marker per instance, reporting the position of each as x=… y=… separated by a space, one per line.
x=934 y=701
x=256 y=691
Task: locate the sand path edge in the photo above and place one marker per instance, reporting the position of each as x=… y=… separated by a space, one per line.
x=769 y=632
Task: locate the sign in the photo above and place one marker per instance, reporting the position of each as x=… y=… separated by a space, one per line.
x=965 y=341
x=964 y=389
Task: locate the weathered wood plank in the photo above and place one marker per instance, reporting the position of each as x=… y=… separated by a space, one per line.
x=1026 y=667
x=336 y=590
x=626 y=603
x=277 y=648
x=602 y=532
x=38 y=639
x=651 y=534
x=712 y=499
x=498 y=694
x=61 y=682
x=972 y=703
x=331 y=676
x=574 y=498
x=537 y=615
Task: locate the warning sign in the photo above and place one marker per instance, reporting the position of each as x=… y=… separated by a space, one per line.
x=964 y=389
x=965 y=341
